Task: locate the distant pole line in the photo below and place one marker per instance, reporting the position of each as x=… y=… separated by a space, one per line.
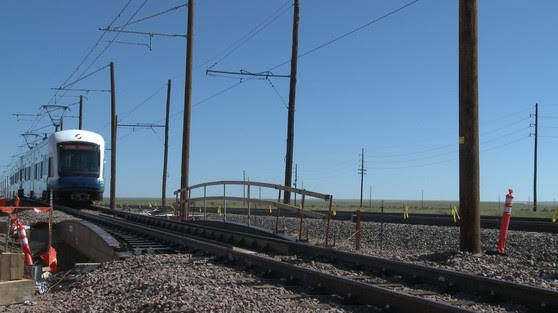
x=535 y=157
x=292 y=95
x=361 y=171
x=469 y=191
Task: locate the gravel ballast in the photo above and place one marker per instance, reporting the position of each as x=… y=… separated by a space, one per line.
x=532 y=258
x=173 y=283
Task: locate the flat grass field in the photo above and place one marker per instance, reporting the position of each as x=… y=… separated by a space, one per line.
x=545 y=209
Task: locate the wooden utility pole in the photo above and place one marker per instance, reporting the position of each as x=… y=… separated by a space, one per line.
x=185 y=171
x=166 y=153
x=80 y=112
x=361 y=171
x=535 y=158
x=469 y=201
x=292 y=93
x=113 y=123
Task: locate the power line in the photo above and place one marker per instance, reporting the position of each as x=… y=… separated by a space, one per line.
x=150 y=16
x=260 y=27
x=92 y=48
x=327 y=43
x=83 y=60
x=82 y=78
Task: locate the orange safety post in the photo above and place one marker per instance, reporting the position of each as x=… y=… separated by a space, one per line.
x=505 y=222
x=16 y=201
x=24 y=243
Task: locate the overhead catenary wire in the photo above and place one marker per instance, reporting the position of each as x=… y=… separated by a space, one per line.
x=83 y=60
x=150 y=16
x=304 y=54
x=346 y=34
x=251 y=34
x=84 y=77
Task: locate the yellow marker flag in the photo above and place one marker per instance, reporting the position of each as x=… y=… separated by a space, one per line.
x=405 y=211
x=270 y=209
x=455 y=213
x=555 y=216
x=219 y=210
x=334 y=212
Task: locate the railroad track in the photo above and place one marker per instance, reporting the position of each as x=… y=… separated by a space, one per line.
x=403 y=287
x=530 y=224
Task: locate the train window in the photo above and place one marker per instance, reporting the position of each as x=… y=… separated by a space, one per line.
x=79 y=160
x=50 y=167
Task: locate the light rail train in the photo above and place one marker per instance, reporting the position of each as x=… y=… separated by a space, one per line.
x=69 y=163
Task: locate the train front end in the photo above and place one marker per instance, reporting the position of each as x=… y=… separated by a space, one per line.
x=78 y=160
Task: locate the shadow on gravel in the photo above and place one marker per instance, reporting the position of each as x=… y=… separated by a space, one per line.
x=445 y=258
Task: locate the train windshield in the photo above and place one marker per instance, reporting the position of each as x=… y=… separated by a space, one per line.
x=79 y=159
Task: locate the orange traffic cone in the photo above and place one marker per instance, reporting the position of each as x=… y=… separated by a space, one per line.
x=24 y=243
x=505 y=223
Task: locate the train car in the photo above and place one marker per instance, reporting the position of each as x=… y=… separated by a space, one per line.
x=70 y=163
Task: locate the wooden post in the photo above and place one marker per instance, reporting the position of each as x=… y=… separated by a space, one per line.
x=278 y=209
x=50 y=223
x=328 y=220
x=224 y=202
x=357 y=231
x=248 y=194
x=204 y=203
x=469 y=194
x=301 y=228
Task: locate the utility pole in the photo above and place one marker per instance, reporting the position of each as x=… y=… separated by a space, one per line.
x=113 y=121
x=422 y=198
x=244 y=186
x=292 y=92
x=296 y=178
x=469 y=200
x=361 y=171
x=166 y=153
x=80 y=112
x=535 y=158
x=185 y=171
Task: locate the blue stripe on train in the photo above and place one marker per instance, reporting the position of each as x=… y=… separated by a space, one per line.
x=78 y=183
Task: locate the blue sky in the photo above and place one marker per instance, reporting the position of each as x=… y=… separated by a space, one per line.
x=391 y=88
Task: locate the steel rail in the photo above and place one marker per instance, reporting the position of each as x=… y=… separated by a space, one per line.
x=359 y=292
x=491 y=289
x=528 y=224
